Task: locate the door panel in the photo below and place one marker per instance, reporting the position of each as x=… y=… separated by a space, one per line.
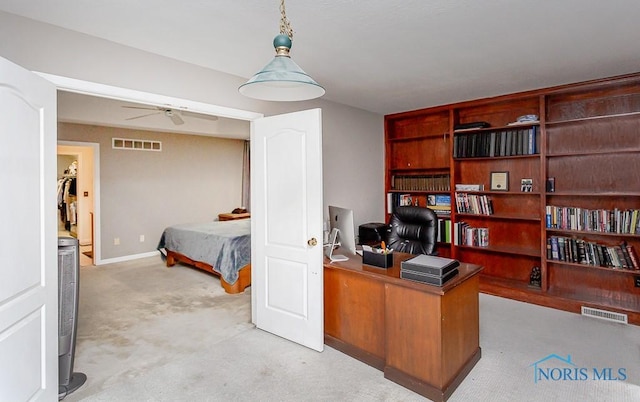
x=28 y=278
x=286 y=213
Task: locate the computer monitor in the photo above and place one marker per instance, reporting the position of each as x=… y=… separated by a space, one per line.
x=342 y=219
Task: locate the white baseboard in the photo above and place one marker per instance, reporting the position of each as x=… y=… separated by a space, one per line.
x=128 y=258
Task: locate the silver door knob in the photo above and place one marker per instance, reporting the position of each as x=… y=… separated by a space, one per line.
x=312 y=241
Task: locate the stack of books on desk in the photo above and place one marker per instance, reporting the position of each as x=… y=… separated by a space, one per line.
x=429 y=269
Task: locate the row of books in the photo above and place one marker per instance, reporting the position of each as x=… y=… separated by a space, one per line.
x=440 y=182
x=579 y=251
x=466 y=235
x=473 y=204
x=593 y=220
x=504 y=142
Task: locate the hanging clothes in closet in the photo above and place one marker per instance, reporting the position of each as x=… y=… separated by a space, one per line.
x=67 y=196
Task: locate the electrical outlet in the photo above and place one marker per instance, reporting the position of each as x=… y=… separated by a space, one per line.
x=636 y=280
x=116 y=241
x=141 y=238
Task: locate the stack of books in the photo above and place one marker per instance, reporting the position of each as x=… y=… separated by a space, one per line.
x=429 y=269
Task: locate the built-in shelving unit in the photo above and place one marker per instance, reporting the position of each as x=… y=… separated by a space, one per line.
x=586 y=139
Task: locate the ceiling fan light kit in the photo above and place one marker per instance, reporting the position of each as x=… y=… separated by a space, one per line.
x=175 y=118
x=282 y=79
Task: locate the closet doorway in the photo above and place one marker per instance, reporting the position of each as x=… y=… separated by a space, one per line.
x=76 y=196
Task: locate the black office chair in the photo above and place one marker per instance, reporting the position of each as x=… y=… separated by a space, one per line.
x=413 y=230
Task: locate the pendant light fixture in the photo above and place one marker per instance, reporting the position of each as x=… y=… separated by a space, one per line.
x=282 y=79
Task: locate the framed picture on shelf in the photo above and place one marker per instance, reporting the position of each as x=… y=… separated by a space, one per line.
x=526 y=185
x=499 y=181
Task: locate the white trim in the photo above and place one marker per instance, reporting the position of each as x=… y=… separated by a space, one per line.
x=128 y=257
x=107 y=91
x=96 y=192
x=131 y=95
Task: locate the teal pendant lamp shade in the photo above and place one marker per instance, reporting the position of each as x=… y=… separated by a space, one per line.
x=282 y=79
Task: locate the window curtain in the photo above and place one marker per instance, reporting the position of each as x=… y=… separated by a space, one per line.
x=246 y=177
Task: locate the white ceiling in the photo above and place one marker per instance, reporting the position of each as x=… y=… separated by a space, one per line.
x=85 y=109
x=379 y=55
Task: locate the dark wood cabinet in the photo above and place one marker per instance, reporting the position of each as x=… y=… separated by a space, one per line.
x=418 y=148
x=586 y=140
x=423 y=337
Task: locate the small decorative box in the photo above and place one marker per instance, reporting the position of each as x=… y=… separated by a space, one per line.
x=377 y=259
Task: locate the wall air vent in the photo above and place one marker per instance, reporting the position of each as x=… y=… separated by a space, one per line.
x=604 y=315
x=136 y=145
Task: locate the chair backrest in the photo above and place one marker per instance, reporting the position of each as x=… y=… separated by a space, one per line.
x=413 y=230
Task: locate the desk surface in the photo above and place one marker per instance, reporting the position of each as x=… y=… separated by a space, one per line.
x=392 y=274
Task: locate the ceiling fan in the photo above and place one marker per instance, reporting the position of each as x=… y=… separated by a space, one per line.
x=173 y=114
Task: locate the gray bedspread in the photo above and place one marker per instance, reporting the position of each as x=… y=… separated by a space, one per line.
x=225 y=245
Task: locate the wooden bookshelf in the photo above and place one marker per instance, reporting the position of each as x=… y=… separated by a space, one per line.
x=587 y=138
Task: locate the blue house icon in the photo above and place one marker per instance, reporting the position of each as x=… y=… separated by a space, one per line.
x=549 y=357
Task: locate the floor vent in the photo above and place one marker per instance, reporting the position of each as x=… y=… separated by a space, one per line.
x=604 y=315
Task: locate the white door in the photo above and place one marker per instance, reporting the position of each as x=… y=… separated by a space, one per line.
x=28 y=243
x=286 y=232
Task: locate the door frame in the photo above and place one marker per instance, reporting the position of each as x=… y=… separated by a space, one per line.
x=131 y=95
x=95 y=147
x=149 y=98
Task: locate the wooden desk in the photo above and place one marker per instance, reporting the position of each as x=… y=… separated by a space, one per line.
x=423 y=337
x=232 y=217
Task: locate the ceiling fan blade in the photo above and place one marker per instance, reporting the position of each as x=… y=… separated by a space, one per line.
x=175 y=118
x=144 y=115
x=200 y=116
x=141 y=107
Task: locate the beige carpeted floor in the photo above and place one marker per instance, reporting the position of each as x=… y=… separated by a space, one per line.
x=151 y=333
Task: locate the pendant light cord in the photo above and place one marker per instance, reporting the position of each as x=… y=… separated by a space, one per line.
x=285 y=26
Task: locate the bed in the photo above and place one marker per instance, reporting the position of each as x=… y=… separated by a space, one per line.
x=222 y=248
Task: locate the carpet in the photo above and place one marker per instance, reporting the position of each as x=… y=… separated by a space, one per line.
x=151 y=333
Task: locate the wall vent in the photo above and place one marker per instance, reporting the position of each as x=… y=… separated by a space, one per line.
x=136 y=145
x=604 y=315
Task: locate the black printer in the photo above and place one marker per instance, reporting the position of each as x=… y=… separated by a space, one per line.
x=372 y=233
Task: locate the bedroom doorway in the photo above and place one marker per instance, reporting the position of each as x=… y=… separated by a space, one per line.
x=78 y=188
x=92 y=89
x=165 y=103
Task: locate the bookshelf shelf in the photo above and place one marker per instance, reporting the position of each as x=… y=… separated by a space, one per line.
x=442 y=136
x=493 y=158
x=430 y=169
x=504 y=250
x=587 y=233
x=509 y=217
x=513 y=193
x=580 y=194
x=587 y=139
x=498 y=128
x=592 y=118
x=587 y=266
x=600 y=152
x=589 y=299
x=497 y=286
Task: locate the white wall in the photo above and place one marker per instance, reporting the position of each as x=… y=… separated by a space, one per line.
x=353 y=139
x=193 y=179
